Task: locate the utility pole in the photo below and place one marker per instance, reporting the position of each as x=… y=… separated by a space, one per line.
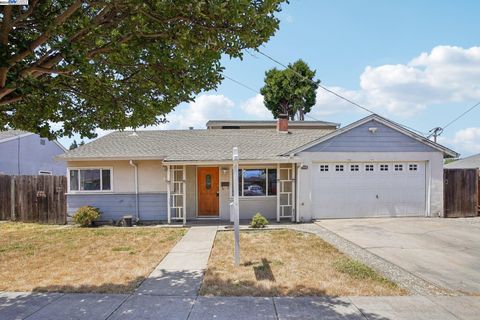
x=435 y=132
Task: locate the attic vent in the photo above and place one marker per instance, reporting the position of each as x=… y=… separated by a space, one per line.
x=373 y=129
x=230 y=127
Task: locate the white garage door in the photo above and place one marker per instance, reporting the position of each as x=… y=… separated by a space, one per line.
x=351 y=190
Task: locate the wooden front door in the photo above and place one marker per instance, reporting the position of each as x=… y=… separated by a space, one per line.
x=208 y=195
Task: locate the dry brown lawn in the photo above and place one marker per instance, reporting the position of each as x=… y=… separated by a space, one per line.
x=284 y=262
x=69 y=259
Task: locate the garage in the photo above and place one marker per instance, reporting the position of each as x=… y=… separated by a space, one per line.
x=368 y=189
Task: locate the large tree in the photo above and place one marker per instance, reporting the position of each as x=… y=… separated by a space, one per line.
x=71 y=66
x=291 y=91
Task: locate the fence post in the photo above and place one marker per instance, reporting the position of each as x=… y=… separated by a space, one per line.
x=12 y=198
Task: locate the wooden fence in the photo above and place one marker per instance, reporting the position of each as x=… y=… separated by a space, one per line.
x=33 y=199
x=461 y=193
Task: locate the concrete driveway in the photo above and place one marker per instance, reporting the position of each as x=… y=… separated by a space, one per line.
x=445 y=252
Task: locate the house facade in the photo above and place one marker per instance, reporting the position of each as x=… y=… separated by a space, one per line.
x=26 y=153
x=297 y=171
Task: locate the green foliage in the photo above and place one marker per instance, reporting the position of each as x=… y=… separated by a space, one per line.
x=86 y=215
x=290 y=91
x=71 y=66
x=449 y=160
x=360 y=271
x=258 y=221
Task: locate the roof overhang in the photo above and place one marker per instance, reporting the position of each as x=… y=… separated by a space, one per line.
x=122 y=158
x=228 y=162
x=16 y=137
x=449 y=153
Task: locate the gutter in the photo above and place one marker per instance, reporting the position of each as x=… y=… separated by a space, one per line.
x=137 y=216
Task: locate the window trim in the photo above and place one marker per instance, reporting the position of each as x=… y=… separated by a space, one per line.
x=240 y=187
x=101 y=178
x=413 y=165
x=325 y=167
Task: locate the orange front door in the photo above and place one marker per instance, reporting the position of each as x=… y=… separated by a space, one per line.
x=208 y=200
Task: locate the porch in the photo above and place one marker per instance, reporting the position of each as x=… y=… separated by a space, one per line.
x=203 y=191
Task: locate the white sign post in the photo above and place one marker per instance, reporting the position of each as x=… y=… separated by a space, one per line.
x=236 y=218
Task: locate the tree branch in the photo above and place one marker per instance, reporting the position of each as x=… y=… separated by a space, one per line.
x=5 y=29
x=26 y=14
x=45 y=36
x=10 y=100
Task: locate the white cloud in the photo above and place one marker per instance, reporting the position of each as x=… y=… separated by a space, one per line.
x=468 y=139
x=327 y=104
x=196 y=114
x=445 y=75
x=255 y=107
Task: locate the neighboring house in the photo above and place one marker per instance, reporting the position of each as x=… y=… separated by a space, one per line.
x=472 y=162
x=300 y=171
x=25 y=153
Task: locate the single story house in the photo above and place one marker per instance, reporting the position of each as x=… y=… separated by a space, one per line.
x=472 y=162
x=299 y=170
x=26 y=153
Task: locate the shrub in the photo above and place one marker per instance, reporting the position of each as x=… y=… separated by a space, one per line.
x=259 y=221
x=86 y=215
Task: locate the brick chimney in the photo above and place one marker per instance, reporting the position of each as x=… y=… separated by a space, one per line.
x=282 y=123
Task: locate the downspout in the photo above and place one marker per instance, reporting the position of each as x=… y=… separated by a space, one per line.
x=137 y=216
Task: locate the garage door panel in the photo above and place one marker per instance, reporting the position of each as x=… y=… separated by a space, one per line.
x=391 y=189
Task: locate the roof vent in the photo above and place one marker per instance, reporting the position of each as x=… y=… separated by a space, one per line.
x=190 y=128
x=133 y=134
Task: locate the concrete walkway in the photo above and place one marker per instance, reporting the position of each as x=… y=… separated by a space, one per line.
x=180 y=273
x=55 y=306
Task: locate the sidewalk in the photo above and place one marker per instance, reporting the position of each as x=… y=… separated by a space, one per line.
x=55 y=306
x=180 y=273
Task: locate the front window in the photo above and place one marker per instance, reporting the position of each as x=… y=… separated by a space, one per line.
x=90 y=179
x=257 y=182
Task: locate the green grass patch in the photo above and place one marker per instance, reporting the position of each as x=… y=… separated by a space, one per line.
x=120 y=249
x=360 y=271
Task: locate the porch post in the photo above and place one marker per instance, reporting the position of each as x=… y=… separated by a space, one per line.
x=184 y=195
x=278 y=192
x=294 y=186
x=169 y=211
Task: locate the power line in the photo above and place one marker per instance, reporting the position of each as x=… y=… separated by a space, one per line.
x=306 y=115
x=436 y=132
x=239 y=83
x=464 y=113
x=321 y=86
x=331 y=91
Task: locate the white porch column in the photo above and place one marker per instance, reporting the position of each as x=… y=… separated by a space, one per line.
x=297 y=201
x=294 y=186
x=278 y=192
x=184 y=209
x=169 y=211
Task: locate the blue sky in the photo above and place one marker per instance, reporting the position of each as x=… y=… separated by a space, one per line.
x=415 y=62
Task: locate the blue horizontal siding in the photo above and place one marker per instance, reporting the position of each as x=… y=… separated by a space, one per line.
x=360 y=139
x=152 y=206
